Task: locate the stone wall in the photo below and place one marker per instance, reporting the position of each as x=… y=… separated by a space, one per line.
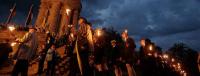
x=55 y=13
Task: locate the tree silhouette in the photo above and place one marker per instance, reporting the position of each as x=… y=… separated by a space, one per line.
x=187 y=56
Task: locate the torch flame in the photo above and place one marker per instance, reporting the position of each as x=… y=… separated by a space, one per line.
x=11 y=28
x=98 y=32
x=72 y=35
x=126 y=31
x=13 y=43
x=165 y=56
x=150 y=47
x=173 y=60
x=68 y=11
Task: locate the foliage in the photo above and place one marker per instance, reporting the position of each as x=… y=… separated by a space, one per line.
x=187 y=56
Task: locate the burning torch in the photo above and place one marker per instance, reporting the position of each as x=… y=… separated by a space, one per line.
x=11 y=29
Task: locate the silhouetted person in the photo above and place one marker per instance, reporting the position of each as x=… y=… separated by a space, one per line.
x=25 y=52
x=49 y=41
x=147 y=60
x=84 y=45
x=115 y=58
x=51 y=58
x=5 y=50
x=128 y=52
x=42 y=56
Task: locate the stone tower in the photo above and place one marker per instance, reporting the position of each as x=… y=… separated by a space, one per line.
x=56 y=15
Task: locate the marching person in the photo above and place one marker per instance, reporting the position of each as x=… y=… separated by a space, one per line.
x=50 y=39
x=51 y=58
x=115 y=58
x=147 y=61
x=84 y=42
x=25 y=52
x=6 y=49
x=128 y=52
x=42 y=56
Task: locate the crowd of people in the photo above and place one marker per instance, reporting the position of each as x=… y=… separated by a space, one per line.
x=101 y=52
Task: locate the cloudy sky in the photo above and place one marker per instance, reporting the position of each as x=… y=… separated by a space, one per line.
x=164 y=21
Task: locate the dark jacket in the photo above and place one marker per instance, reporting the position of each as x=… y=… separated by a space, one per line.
x=128 y=50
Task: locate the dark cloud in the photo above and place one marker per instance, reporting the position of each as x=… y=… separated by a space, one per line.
x=160 y=20
x=190 y=38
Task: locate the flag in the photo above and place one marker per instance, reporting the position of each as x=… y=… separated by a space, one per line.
x=89 y=38
x=44 y=23
x=29 y=17
x=78 y=56
x=12 y=14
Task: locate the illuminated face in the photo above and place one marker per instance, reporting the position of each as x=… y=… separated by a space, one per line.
x=31 y=30
x=53 y=47
x=81 y=21
x=113 y=44
x=142 y=43
x=124 y=35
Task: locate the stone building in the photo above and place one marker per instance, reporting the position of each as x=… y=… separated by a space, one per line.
x=56 y=15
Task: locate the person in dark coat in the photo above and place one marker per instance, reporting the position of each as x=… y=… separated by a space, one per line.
x=127 y=52
x=42 y=56
x=51 y=58
x=84 y=42
x=148 y=61
x=49 y=41
x=115 y=58
x=99 y=60
x=5 y=50
x=25 y=52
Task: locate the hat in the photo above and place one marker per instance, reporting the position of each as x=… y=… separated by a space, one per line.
x=113 y=41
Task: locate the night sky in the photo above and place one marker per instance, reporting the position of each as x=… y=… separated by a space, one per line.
x=164 y=21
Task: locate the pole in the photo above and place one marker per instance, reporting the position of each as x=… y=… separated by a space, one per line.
x=11 y=14
x=29 y=17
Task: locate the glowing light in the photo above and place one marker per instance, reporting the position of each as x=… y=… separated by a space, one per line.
x=156 y=55
x=179 y=64
x=11 y=28
x=70 y=25
x=179 y=67
x=13 y=44
x=182 y=71
x=98 y=32
x=72 y=35
x=68 y=11
x=149 y=54
x=172 y=60
x=151 y=47
x=126 y=31
x=174 y=65
x=165 y=56
x=185 y=74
